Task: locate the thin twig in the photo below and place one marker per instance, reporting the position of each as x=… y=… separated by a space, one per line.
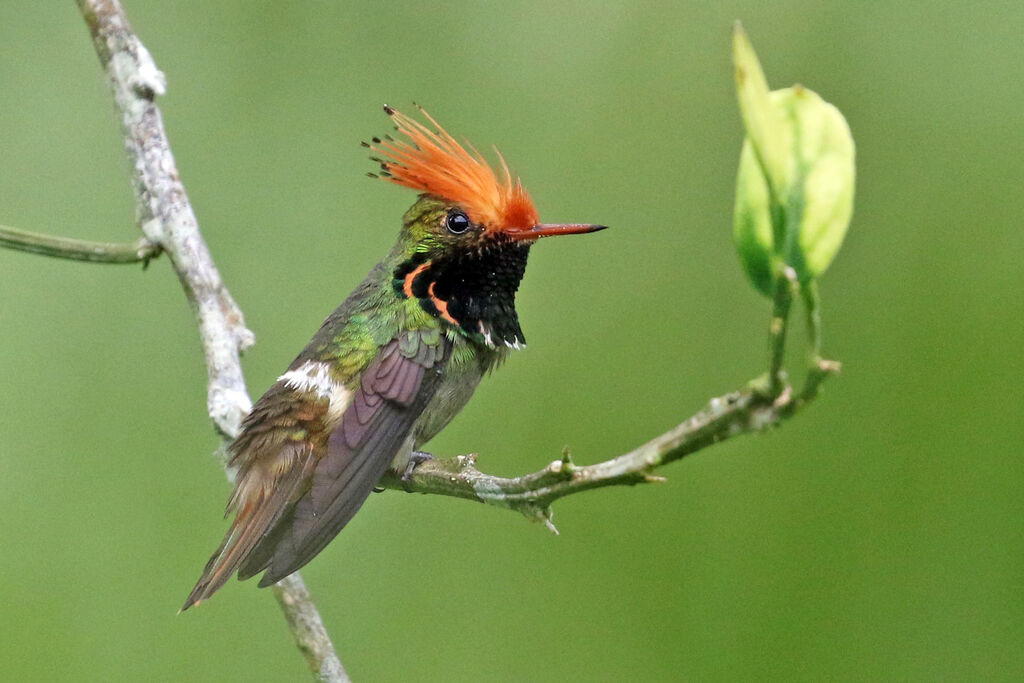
x=311 y=637
x=165 y=216
x=78 y=250
x=745 y=411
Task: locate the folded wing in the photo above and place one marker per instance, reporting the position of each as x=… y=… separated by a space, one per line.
x=308 y=461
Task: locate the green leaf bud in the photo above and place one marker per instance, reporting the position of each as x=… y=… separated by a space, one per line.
x=794 y=189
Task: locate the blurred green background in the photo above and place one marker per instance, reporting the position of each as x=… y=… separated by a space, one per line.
x=876 y=536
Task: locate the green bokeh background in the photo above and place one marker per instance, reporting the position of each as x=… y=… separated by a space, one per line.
x=876 y=536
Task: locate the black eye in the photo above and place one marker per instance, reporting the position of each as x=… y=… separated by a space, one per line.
x=457 y=222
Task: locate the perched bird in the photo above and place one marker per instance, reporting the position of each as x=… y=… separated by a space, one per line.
x=391 y=366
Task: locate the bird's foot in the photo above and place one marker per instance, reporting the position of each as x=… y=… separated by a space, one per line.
x=416 y=458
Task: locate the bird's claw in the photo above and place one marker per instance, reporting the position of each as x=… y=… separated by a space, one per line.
x=416 y=458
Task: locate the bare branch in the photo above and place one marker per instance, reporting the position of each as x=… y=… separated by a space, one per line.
x=166 y=218
x=142 y=250
x=752 y=409
x=163 y=211
x=311 y=637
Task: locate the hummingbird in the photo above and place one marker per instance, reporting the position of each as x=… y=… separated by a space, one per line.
x=392 y=365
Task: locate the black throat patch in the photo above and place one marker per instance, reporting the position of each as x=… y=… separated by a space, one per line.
x=473 y=290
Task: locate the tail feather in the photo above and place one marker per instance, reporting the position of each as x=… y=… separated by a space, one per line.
x=263 y=505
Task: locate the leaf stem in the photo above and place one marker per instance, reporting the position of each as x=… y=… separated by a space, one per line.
x=812 y=309
x=785 y=286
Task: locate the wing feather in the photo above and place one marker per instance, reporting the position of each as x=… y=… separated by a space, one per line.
x=371 y=433
x=280 y=527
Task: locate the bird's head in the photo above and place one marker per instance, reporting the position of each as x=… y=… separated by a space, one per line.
x=464 y=243
x=463 y=204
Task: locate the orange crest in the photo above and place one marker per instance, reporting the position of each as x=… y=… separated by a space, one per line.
x=435 y=163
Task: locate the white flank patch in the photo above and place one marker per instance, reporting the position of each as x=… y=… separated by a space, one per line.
x=311 y=377
x=315 y=378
